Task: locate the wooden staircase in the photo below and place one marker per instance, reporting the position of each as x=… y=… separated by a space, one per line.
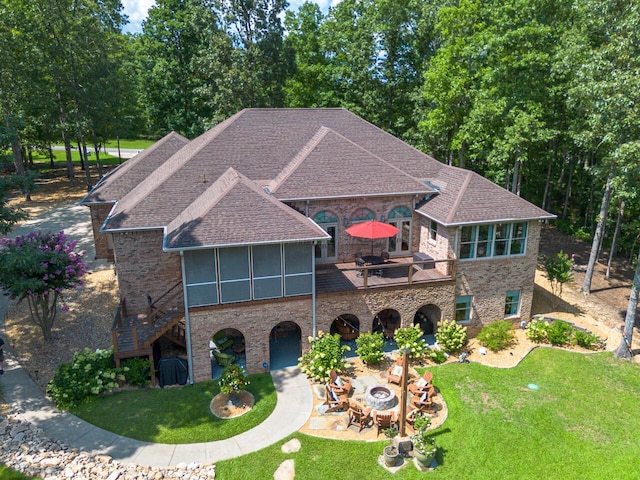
x=133 y=335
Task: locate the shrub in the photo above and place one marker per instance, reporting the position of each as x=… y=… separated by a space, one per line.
x=437 y=356
x=233 y=379
x=370 y=347
x=497 y=336
x=586 y=339
x=411 y=338
x=90 y=373
x=137 y=371
x=559 y=333
x=451 y=336
x=326 y=354
x=537 y=330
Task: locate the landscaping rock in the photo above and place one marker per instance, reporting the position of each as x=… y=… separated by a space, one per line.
x=26 y=449
x=286 y=471
x=292 y=446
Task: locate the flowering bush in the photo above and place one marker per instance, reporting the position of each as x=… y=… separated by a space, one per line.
x=411 y=338
x=370 y=347
x=326 y=354
x=537 y=330
x=90 y=373
x=451 y=336
x=39 y=267
x=233 y=379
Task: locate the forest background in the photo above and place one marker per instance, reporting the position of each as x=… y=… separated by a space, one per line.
x=540 y=96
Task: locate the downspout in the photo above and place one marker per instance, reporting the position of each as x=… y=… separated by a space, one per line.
x=306 y=209
x=313 y=294
x=187 y=321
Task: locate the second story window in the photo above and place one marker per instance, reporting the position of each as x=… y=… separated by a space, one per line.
x=482 y=241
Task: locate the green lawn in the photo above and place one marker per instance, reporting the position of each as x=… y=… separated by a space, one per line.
x=130 y=143
x=177 y=414
x=583 y=422
x=8 y=474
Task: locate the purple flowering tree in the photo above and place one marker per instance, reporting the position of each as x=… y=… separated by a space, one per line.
x=39 y=268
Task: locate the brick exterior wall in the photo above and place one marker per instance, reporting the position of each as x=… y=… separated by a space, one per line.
x=99 y=214
x=441 y=248
x=348 y=245
x=144 y=269
x=489 y=280
x=255 y=320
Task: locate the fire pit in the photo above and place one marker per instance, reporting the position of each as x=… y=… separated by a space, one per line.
x=380 y=397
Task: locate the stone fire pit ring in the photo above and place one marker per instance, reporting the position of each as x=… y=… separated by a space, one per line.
x=380 y=397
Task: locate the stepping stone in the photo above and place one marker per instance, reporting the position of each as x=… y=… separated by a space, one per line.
x=292 y=446
x=286 y=471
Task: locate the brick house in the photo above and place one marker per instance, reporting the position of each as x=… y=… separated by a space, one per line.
x=243 y=231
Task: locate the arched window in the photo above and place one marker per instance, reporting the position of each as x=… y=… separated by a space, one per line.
x=325 y=216
x=400 y=212
x=400 y=217
x=362 y=215
x=327 y=250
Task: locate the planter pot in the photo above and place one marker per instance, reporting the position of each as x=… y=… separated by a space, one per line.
x=390 y=454
x=424 y=459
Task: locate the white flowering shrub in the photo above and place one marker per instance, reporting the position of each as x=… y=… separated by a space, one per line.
x=90 y=373
x=326 y=354
x=411 y=338
x=450 y=336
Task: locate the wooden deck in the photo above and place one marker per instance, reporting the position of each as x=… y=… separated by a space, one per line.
x=396 y=272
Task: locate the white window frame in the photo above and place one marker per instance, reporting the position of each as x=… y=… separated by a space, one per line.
x=467 y=300
x=433 y=231
x=486 y=248
x=509 y=302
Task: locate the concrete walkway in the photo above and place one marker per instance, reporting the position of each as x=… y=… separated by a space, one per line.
x=293 y=408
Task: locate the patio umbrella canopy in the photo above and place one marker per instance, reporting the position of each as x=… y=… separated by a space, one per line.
x=372 y=229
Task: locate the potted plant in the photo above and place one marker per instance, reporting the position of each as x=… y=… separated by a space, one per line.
x=390 y=452
x=424 y=445
x=232 y=381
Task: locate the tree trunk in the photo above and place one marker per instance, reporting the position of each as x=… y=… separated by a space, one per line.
x=87 y=170
x=586 y=286
x=624 y=349
x=547 y=187
x=15 y=148
x=614 y=241
x=51 y=157
x=515 y=182
x=567 y=196
x=96 y=148
x=67 y=150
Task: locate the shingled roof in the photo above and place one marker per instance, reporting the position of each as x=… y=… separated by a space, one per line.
x=296 y=154
x=233 y=211
x=466 y=197
x=131 y=173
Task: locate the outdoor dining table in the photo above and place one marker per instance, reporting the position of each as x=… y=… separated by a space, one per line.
x=372 y=260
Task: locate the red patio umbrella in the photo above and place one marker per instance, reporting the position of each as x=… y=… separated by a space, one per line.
x=372 y=229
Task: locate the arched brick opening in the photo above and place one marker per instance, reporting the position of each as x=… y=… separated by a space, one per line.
x=347 y=326
x=285 y=345
x=428 y=317
x=386 y=321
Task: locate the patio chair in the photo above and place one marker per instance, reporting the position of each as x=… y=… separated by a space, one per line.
x=384 y=420
x=335 y=401
x=424 y=402
x=224 y=359
x=421 y=385
x=359 y=416
x=338 y=384
x=395 y=372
